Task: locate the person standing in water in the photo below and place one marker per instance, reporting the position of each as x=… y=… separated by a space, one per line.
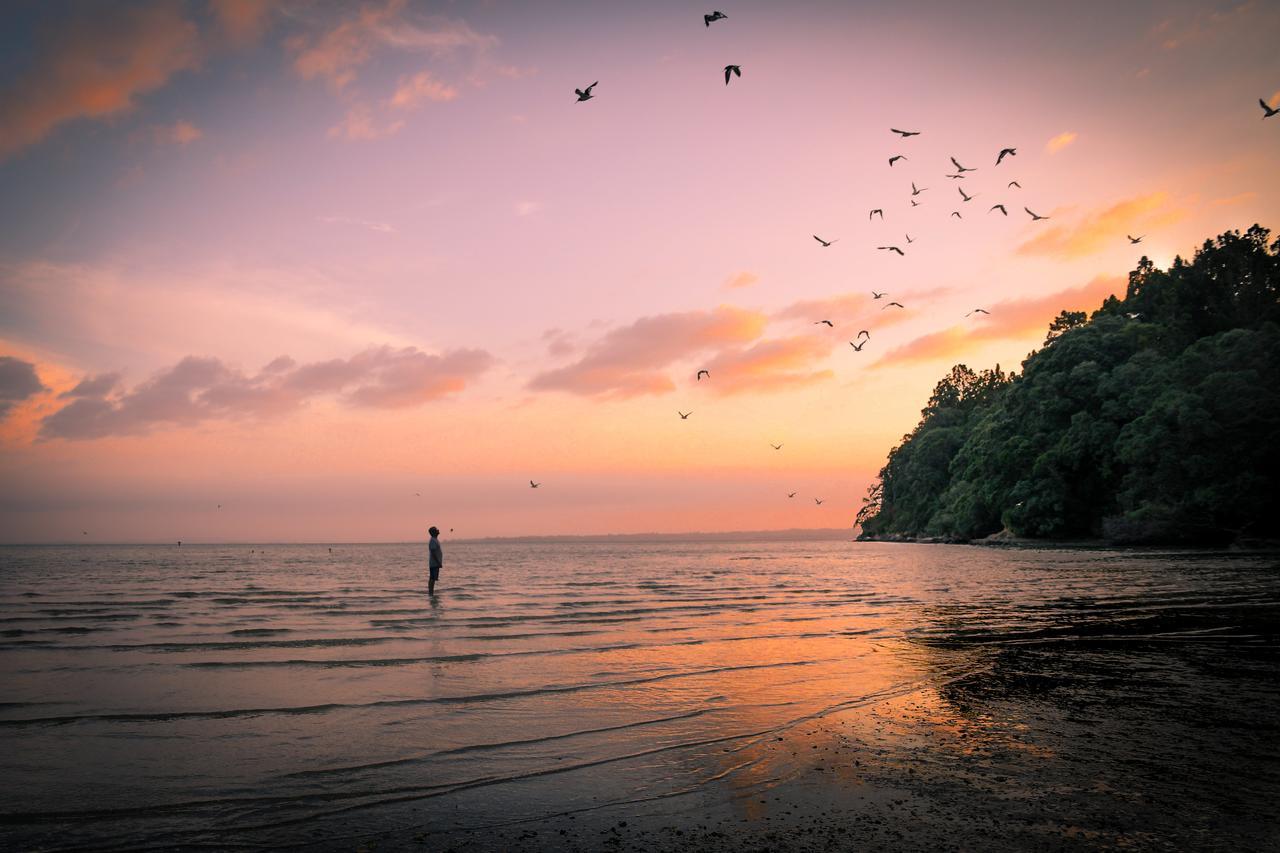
x=436 y=561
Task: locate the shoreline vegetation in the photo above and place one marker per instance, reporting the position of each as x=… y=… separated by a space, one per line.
x=1153 y=421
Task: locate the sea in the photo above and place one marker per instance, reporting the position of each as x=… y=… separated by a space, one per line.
x=314 y=695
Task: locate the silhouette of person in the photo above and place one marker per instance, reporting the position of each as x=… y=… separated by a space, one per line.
x=436 y=563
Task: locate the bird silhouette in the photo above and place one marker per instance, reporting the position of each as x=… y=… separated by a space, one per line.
x=857 y=347
x=963 y=194
x=1006 y=152
x=534 y=485
x=585 y=94
x=825 y=243
x=820 y=322
x=896 y=157
x=818 y=501
x=892 y=249
x=864 y=334
x=915 y=190
x=702 y=373
x=1134 y=240
x=999 y=207
x=791 y=494
x=714 y=16
x=1034 y=216
x=892 y=304
x=684 y=416
x=956 y=177
x=731 y=69
x=979 y=311
x=775 y=446
x=905 y=133
x=1267 y=110
x=875 y=295
x=909 y=240
x=961 y=169
x=874 y=212
x=956 y=214
x=1013 y=184
x=915 y=203
x=417 y=494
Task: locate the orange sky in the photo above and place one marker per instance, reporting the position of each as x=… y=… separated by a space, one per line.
x=349 y=270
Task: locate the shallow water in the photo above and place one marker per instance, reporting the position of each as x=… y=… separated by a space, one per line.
x=272 y=695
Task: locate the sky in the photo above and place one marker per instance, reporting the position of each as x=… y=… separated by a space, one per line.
x=307 y=271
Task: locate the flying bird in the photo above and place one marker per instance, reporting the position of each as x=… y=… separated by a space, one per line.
x=956 y=214
x=979 y=311
x=857 y=347
x=892 y=249
x=892 y=304
x=959 y=168
x=999 y=207
x=915 y=190
x=1267 y=110
x=417 y=494
x=714 y=16
x=818 y=501
x=909 y=240
x=775 y=446
x=1034 y=216
x=874 y=212
x=915 y=203
x=956 y=177
x=731 y=69
x=824 y=243
x=702 y=373
x=1013 y=184
x=791 y=494
x=905 y=133
x=684 y=416
x=820 y=322
x=864 y=334
x=1006 y=152
x=875 y=295
x=963 y=195
x=1134 y=240
x=896 y=157
x=534 y=485
x=585 y=94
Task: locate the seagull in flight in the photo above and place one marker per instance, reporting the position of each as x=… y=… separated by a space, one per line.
x=825 y=243
x=1267 y=110
x=534 y=485
x=956 y=177
x=818 y=501
x=684 y=416
x=959 y=168
x=999 y=207
x=909 y=240
x=791 y=494
x=896 y=157
x=1134 y=240
x=1013 y=184
x=963 y=195
x=775 y=446
x=979 y=311
x=917 y=190
x=1006 y=152
x=820 y=322
x=731 y=69
x=1035 y=217
x=875 y=295
x=857 y=347
x=874 y=212
x=714 y=16
x=905 y=133
x=891 y=304
x=892 y=249
x=585 y=94
x=956 y=214
x=702 y=373
x=915 y=203
x=864 y=334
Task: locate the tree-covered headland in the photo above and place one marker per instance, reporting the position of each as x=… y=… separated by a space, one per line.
x=1155 y=419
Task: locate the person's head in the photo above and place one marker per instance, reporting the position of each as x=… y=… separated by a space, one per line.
x=434 y=531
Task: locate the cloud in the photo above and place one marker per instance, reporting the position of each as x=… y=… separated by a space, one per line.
x=770 y=365
x=1062 y=140
x=382 y=227
x=198 y=390
x=243 y=21
x=1014 y=319
x=96 y=67
x=420 y=87
x=559 y=343
x=633 y=360
x=527 y=208
x=179 y=133
x=741 y=279
x=18 y=381
x=360 y=124
x=1095 y=231
x=1238 y=198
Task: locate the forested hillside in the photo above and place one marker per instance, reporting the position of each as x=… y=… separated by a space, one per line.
x=1156 y=419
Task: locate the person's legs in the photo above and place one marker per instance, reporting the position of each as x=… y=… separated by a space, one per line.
x=431 y=583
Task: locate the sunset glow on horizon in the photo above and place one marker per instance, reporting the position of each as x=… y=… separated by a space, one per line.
x=337 y=272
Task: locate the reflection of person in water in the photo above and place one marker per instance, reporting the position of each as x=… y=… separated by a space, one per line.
x=437 y=559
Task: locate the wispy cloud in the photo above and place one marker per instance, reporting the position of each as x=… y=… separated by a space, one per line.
x=1062 y=140
x=243 y=21
x=381 y=227
x=1238 y=198
x=95 y=67
x=1095 y=231
x=415 y=89
x=771 y=365
x=527 y=208
x=360 y=124
x=1014 y=319
x=198 y=390
x=18 y=382
x=741 y=279
x=181 y=132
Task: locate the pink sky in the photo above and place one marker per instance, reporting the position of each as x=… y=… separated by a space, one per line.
x=311 y=261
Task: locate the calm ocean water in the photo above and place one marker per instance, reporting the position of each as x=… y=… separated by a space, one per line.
x=157 y=696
